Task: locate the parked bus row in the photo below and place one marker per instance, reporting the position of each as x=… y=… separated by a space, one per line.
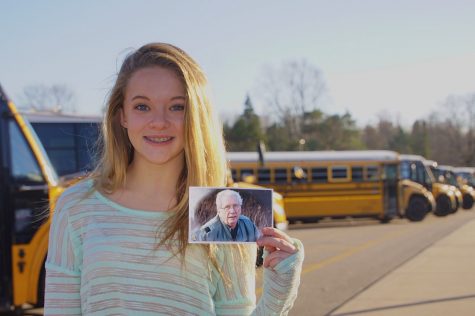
x=313 y=185
x=368 y=183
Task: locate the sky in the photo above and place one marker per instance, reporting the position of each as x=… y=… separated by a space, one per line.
x=397 y=59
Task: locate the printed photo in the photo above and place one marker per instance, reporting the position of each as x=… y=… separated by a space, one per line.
x=228 y=215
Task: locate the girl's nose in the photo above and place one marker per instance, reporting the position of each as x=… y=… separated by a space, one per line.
x=159 y=119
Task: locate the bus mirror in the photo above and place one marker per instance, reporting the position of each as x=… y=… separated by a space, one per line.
x=441 y=179
x=299 y=173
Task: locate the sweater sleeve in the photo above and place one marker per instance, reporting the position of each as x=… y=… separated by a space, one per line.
x=63 y=276
x=237 y=295
x=281 y=285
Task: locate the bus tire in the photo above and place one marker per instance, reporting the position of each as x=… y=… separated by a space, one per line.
x=467 y=202
x=417 y=209
x=443 y=206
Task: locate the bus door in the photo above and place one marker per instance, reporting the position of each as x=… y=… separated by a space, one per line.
x=390 y=180
x=6 y=286
x=25 y=190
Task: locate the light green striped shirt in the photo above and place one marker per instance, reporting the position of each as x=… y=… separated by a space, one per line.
x=102 y=261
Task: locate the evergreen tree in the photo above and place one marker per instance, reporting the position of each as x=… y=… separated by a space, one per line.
x=419 y=142
x=246 y=132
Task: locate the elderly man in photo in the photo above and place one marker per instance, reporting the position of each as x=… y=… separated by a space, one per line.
x=228 y=224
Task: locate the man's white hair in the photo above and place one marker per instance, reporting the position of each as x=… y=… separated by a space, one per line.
x=222 y=194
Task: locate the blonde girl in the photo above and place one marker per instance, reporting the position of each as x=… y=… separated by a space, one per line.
x=118 y=240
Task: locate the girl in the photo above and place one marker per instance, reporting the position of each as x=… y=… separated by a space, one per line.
x=118 y=240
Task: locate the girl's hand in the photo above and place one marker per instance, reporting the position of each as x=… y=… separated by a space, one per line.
x=278 y=244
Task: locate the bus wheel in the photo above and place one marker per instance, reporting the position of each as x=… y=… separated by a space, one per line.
x=443 y=207
x=467 y=202
x=417 y=209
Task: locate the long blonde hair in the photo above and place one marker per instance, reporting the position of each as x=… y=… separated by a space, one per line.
x=205 y=163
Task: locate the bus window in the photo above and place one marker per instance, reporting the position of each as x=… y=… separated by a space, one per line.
x=263 y=175
x=25 y=168
x=234 y=175
x=247 y=175
x=357 y=174
x=421 y=171
x=319 y=174
x=390 y=172
x=280 y=175
x=298 y=174
x=70 y=145
x=405 y=170
x=58 y=140
x=86 y=139
x=372 y=173
x=339 y=173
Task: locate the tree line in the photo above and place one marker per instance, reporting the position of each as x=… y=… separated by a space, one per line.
x=294 y=93
x=446 y=135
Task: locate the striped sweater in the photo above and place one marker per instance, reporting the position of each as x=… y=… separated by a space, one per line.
x=102 y=261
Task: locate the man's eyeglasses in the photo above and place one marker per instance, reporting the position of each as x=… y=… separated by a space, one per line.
x=227 y=208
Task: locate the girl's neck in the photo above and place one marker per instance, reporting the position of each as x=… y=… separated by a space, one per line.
x=150 y=186
x=151 y=180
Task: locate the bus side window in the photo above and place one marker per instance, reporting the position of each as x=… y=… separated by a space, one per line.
x=25 y=168
x=339 y=173
x=299 y=175
x=247 y=175
x=357 y=174
x=263 y=175
x=234 y=175
x=86 y=142
x=372 y=173
x=280 y=175
x=59 y=142
x=319 y=174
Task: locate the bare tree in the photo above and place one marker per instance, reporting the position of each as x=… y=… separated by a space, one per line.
x=452 y=131
x=291 y=90
x=294 y=88
x=56 y=98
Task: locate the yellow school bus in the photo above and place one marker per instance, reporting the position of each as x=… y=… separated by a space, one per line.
x=465 y=175
x=414 y=167
x=446 y=174
x=335 y=184
x=29 y=186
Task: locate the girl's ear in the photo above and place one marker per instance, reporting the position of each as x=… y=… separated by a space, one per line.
x=123 y=120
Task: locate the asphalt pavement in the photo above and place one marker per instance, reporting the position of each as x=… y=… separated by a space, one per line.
x=440 y=280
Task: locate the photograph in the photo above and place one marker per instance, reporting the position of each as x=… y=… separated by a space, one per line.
x=228 y=215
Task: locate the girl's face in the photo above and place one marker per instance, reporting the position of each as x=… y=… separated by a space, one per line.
x=153 y=114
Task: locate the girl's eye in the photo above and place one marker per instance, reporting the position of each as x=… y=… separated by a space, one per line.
x=177 y=107
x=142 y=107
